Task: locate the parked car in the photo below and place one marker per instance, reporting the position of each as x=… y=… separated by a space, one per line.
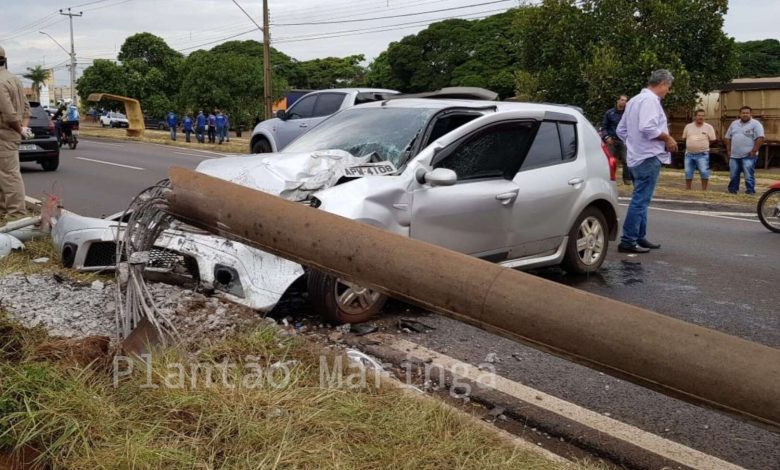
x=273 y=135
x=155 y=123
x=43 y=149
x=523 y=185
x=114 y=120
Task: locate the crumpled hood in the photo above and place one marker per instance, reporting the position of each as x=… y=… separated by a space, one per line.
x=293 y=176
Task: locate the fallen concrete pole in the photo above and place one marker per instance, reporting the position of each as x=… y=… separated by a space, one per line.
x=697 y=364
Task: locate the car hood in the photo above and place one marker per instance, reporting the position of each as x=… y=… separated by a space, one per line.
x=293 y=176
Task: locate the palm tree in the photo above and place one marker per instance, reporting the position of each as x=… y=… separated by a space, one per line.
x=38 y=75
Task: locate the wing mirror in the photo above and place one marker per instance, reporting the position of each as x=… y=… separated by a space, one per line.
x=282 y=114
x=437 y=177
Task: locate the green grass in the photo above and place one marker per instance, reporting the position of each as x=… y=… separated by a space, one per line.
x=22 y=262
x=75 y=418
x=236 y=144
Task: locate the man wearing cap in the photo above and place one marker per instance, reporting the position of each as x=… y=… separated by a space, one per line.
x=14 y=117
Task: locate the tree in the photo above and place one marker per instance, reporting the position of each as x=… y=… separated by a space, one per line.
x=332 y=72
x=103 y=76
x=38 y=75
x=759 y=58
x=151 y=49
x=588 y=52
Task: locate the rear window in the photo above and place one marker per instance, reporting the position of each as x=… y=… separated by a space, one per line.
x=38 y=113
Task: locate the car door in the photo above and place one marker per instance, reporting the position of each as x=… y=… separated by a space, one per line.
x=551 y=179
x=474 y=215
x=307 y=113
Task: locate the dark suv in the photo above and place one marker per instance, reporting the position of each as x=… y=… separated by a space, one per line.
x=43 y=148
x=155 y=123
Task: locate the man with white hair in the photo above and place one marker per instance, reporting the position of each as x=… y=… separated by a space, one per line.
x=645 y=131
x=14 y=117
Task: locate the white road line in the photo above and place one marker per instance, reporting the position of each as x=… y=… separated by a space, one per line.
x=617 y=429
x=194 y=155
x=109 y=163
x=717 y=215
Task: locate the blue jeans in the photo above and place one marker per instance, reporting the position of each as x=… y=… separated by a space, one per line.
x=173 y=132
x=739 y=165
x=699 y=160
x=645 y=177
x=221 y=134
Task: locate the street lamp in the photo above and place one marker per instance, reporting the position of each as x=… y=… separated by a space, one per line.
x=71 y=66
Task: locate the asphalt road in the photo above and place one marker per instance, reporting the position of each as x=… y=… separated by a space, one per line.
x=717 y=272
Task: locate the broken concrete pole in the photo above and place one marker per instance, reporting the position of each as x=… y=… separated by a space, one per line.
x=680 y=359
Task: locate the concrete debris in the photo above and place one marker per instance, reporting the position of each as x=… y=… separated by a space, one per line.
x=491 y=358
x=97 y=285
x=71 y=309
x=43 y=260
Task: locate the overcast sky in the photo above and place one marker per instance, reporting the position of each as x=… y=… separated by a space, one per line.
x=188 y=24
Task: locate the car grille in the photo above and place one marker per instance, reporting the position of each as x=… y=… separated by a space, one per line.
x=102 y=254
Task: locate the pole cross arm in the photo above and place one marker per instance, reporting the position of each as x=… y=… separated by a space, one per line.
x=135 y=117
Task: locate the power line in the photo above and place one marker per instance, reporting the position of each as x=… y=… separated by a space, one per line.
x=248 y=16
x=350 y=10
x=391 y=16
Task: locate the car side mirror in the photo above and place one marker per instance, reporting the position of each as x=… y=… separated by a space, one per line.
x=441 y=177
x=282 y=114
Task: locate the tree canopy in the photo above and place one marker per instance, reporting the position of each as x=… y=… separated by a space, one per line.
x=759 y=58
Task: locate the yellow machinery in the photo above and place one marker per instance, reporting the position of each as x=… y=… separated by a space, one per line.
x=135 y=117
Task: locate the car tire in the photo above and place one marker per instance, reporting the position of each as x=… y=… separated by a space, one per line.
x=51 y=164
x=330 y=297
x=588 y=242
x=262 y=146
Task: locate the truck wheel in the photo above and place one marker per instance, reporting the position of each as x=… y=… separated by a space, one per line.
x=51 y=164
x=261 y=146
x=340 y=301
x=588 y=243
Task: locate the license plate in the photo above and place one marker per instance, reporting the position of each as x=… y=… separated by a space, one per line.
x=28 y=147
x=370 y=169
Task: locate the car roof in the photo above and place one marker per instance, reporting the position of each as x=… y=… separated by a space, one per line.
x=355 y=90
x=499 y=106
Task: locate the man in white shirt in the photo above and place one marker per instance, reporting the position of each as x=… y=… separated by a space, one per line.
x=698 y=136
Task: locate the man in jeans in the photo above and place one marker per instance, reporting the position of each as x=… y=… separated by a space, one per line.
x=698 y=136
x=645 y=131
x=743 y=140
x=609 y=134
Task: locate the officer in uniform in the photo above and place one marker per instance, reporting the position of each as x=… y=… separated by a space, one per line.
x=14 y=118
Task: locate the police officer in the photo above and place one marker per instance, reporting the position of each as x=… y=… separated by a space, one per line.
x=14 y=118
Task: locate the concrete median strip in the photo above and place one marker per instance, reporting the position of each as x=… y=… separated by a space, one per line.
x=613 y=428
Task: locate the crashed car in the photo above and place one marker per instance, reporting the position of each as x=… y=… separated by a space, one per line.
x=523 y=185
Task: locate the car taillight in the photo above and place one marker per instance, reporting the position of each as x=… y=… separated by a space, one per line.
x=612 y=162
x=51 y=127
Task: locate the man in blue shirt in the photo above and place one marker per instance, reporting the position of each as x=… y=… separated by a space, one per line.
x=645 y=130
x=743 y=141
x=172 y=124
x=609 y=134
x=200 y=126
x=187 y=127
x=219 y=122
x=212 y=122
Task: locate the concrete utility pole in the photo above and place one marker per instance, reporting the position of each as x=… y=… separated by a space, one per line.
x=267 y=63
x=73 y=94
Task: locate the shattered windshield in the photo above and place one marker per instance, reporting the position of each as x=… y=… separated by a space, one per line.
x=388 y=132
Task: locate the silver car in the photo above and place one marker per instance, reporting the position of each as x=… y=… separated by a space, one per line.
x=273 y=135
x=519 y=184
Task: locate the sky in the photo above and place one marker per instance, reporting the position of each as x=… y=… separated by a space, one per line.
x=344 y=27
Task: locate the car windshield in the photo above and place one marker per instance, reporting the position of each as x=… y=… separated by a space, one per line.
x=363 y=131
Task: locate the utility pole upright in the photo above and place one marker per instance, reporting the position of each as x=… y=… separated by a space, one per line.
x=73 y=94
x=267 y=92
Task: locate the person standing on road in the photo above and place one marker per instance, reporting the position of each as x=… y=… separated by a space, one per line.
x=698 y=136
x=14 y=117
x=645 y=131
x=212 y=122
x=187 y=127
x=743 y=141
x=219 y=122
x=172 y=123
x=200 y=126
x=609 y=134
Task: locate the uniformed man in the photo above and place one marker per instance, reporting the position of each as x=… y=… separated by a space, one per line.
x=14 y=118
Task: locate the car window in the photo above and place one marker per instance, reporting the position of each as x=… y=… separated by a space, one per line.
x=36 y=113
x=303 y=108
x=327 y=104
x=568 y=133
x=493 y=152
x=546 y=149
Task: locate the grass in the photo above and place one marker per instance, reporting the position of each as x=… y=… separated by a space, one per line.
x=671 y=185
x=236 y=144
x=22 y=262
x=73 y=417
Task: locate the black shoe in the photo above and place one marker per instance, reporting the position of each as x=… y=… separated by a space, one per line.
x=635 y=248
x=645 y=243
